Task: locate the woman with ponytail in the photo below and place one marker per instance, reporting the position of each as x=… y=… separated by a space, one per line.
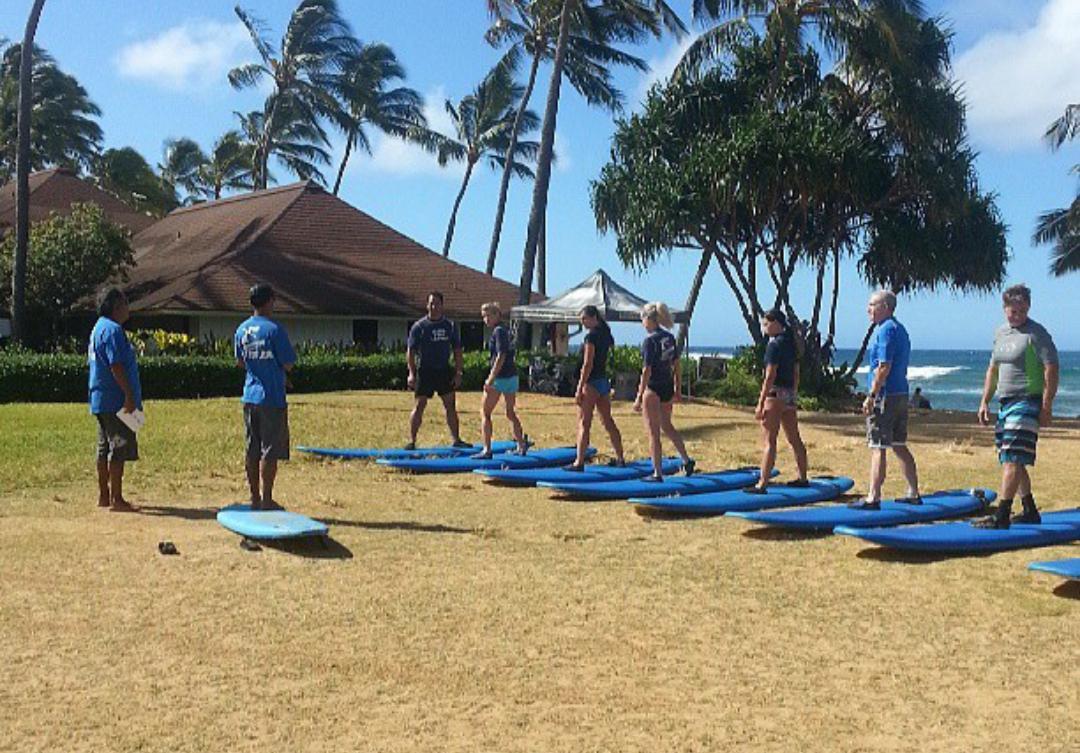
x=659 y=386
x=594 y=387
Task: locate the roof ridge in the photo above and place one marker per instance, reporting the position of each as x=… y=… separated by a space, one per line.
x=300 y=186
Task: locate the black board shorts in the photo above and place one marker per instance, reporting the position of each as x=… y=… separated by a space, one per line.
x=665 y=391
x=431 y=381
x=266 y=432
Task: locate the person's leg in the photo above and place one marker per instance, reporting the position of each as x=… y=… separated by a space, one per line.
x=268 y=473
x=651 y=410
x=672 y=433
x=416 y=418
x=770 y=428
x=789 y=420
x=1023 y=480
x=877 y=473
x=252 y=453
x=251 y=467
x=104 y=498
x=585 y=415
x=899 y=415
x=510 y=405
x=487 y=406
x=911 y=471
x=116 y=487
x=603 y=407
x=449 y=401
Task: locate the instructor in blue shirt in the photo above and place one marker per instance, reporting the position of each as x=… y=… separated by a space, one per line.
x=886 y=403
x=114 y=388
x=263 y=349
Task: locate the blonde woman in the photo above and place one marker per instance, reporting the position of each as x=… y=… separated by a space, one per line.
x=502 y=380
x=659 y=385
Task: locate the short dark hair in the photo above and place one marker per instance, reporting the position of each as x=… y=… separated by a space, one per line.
x=776 y=315
x=260 y=295
x=107 y=300
x=1016 y=294
x=436 y=294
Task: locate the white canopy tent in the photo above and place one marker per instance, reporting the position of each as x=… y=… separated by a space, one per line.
x=616 y=303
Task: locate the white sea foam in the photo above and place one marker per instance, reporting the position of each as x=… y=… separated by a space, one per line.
x=923 y=373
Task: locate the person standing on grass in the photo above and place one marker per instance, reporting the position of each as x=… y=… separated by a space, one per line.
x=114 y=388
x=432 y=339
x=594 y=387
x=1024 y=371
x=502 y=380
x=659 y=386
x=263 y=349
x=777 y=403
x=886 y=403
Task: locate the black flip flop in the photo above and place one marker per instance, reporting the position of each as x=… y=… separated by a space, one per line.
x=167 y=547
x=249 y=546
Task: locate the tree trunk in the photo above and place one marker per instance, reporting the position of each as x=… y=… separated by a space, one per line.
x=22 y=178
x=691 y=299
x=344 y=162
x=504 y=185
x=541 y=259
x=453 y=214
x=835 y=296
x=543 y=161
x=862 y=351
x=819 y=293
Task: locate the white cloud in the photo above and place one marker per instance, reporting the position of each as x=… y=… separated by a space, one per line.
x=564 y=162
x=194 y=55
x=661 y=68
x=1015 y=83
x=393 y=156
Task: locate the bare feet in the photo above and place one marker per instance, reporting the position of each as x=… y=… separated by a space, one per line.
x=122 y=505
x=269 y=504
x=256 y=503
x=103 y=502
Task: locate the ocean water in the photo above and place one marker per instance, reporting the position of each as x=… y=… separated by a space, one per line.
x=953 y=379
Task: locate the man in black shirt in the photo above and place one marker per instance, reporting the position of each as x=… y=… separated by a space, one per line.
x=432 y=339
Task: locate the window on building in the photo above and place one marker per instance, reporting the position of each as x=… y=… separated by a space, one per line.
x=365 y=333
x=472 y=335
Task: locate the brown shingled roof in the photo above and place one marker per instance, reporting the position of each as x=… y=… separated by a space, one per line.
x=322 y=256
x=56 y=190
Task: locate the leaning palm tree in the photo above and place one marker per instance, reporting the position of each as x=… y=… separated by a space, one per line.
x=530 y=27
x=295 y=141
x=364 y=90
x=315 y=46
x=635 y=20
x=1060 y=228
x=482 y=122
x=228 y=166
x=182 y=168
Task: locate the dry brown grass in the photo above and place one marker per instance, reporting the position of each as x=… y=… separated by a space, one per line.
x=454 y=616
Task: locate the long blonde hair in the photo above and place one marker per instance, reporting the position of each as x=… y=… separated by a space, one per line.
x=658 y=312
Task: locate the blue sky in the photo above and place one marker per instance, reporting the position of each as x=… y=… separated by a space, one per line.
x=157 y=70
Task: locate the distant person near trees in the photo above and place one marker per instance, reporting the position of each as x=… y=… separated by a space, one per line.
x=1024 y=372
x=114 y=389
x=431 y=340
x=263 y=349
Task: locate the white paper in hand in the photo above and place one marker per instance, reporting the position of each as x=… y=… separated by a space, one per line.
x=133 y=420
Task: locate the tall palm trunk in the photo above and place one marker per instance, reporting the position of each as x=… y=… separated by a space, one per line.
x=344 y=162
x=22 y=177
x=457 y=203
x=541 y=259
x=504 y=186
x=543 y=162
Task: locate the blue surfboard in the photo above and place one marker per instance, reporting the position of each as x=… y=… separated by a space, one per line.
x=962 y=537
x=590 y=474
x=821 y=489
x=535 y=459
x=1065 y=568
x=269 y=524
x=700 y=483
x=937 y=506
x=364 y=453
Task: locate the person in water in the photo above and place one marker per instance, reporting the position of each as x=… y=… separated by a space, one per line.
x=776 y=405
x=1024 y=372
x=502 y=380
x=594 y=387
x=659 y=386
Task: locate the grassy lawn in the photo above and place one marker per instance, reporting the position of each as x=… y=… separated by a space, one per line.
x=450 y=615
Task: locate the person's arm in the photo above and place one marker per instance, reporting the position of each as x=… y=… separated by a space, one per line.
x=589 y=353
x=881 y=374
x=121 y=379
x=989 y=385
x=798 y=373
x=645 y=372
x=459 y=366
x=766 y=388
x=410 y=357
x=496 y=368
x=1051 y=375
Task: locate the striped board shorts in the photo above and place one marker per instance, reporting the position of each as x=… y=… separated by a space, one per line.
x=1017 y=431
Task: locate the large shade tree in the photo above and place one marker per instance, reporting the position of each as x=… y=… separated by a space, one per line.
x=874 y=164
x=483 y=121
x=1060 y=228
x=299 y=72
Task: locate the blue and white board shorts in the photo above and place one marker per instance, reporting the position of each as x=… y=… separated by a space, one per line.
x=506 y=385
x=1017 y=431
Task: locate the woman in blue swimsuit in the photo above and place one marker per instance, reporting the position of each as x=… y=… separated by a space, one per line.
x=502 y=380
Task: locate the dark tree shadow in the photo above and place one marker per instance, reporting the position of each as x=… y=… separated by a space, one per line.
x=886 y=554
x=656 y=513
x=397 y=525
x=774 y=533
x=1070 y=589
x=184 y=513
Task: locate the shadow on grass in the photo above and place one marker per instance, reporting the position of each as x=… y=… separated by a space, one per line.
x=697 y=431
x=184 y=513
x=885 y=554
x=311 y=547
x=1070 y=589
x=655 y=513
x=774 y=533
x=397 y=525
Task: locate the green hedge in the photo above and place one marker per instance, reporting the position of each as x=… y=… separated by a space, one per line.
x=62 y=377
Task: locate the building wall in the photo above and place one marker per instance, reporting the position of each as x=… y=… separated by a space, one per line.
x=324 y=330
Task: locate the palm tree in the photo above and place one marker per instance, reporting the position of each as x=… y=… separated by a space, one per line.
x=204 y=176
x=296 y=142
x=316 y=45
x=1060 y=228
x=63 y=129
x=182 y=168
x=635 y=19
x=362 y=89
x=531 y=27
x=482 y=124
x=127 y=175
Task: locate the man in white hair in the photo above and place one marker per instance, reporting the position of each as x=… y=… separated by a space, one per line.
x=886 y=404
